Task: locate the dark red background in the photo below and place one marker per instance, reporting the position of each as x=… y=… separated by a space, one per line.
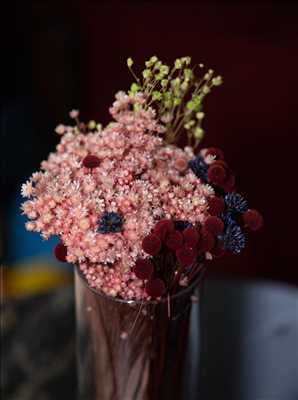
x=253 y=116
x=74 y=55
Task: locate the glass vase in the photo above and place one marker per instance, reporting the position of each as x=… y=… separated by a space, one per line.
x=134 y=350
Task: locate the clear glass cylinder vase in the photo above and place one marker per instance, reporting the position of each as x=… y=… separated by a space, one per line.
x=133 y=350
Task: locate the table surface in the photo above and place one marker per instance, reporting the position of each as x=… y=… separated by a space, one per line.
x=249 y=344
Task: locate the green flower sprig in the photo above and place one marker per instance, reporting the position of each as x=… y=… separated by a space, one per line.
x=176 y=94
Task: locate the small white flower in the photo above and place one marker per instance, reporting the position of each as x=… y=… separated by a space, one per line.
x=27 y=189
x=208 y=190
x=36 y=176
x=30 y=226
x=209 y=159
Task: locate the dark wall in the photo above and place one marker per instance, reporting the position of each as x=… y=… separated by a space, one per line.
x=40 y=82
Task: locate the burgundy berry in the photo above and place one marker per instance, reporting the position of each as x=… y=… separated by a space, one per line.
x=60 y=252
x=214 y=225
x=151 y=244
x=217 y=173
x=174 y=240
x=191 y=236
x=143 y=269
x=163 y=228
x=91 y=161
x=253 y=219
x=216 y=205
x=186 y=256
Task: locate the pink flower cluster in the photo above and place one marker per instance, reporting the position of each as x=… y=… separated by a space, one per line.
x=138 y=177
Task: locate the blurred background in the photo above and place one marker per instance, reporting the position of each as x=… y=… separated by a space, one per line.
x=59 y=55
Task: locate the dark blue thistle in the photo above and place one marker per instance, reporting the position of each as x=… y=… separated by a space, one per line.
x=233 y=238
x=227 y=218
x=110 y=222
x=199 y=168
x=235 y=202
x=181 y=225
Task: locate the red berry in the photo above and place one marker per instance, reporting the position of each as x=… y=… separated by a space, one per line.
x=151 y=244
x=174 y=240
x=60 y=252
x=91 y=161
x=215 y=151
x=253 y=219
x=214 y=225
x=155 y=288
x=217 y=173
x=163 y=228
x=206 y=242
x=216 y=205
x=143 y=269
x=191 y=236
x=186 y=256
x=222 y=163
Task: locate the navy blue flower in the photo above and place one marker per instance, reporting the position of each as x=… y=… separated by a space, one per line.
x=181 y=225
x=235 y=202
x=199 y=168
x=227 y=218
x=233 y=238
x=110 y=222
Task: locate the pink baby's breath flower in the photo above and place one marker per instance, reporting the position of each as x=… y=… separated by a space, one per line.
x=32 y=214
x=47 y=217
x=84 y=224
x=27 y=189
x=60 y=129
x=181 y=164
x=30 y=226
x=74 y=114
x=166 y=118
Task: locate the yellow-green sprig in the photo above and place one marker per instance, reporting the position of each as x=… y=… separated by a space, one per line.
x=176 y=94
